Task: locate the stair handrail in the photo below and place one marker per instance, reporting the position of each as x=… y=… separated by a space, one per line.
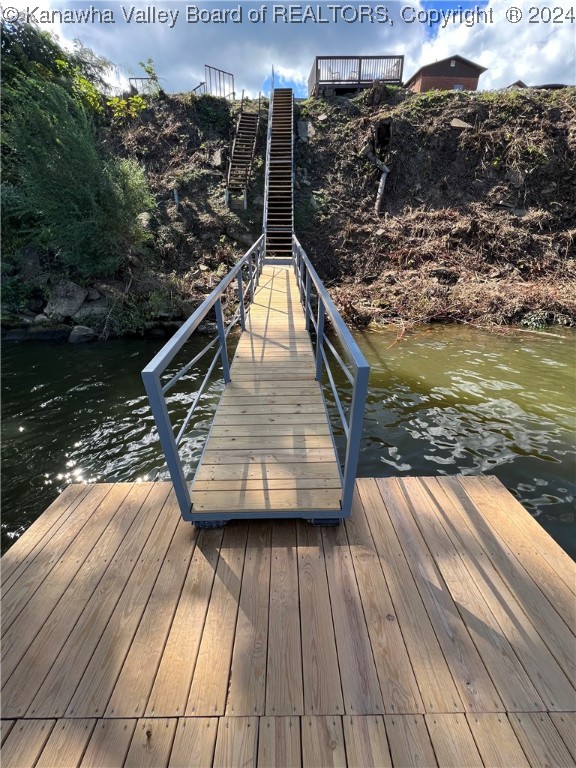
x=156 y=389
x=355 y=368
x=238 y=119
x=268 y=143
x=254 y=142
x=292 y=163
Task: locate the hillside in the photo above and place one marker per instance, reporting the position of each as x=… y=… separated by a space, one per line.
x=477 y=221
x=477 y=224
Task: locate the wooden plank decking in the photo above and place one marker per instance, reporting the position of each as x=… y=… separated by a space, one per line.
x=270 y=446
x=434 y=627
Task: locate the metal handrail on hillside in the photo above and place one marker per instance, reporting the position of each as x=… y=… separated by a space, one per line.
x=268 y=143
x=355 y=367
x=156 y=388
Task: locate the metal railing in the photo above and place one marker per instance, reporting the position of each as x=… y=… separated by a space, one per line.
x=268 y=142
x=354 y=71
x=153 y=374
x=219 y=82
x=355 y=368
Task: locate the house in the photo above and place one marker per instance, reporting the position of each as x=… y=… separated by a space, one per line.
x=453 y=74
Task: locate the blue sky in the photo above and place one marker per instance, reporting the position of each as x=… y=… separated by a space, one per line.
x=182 y=36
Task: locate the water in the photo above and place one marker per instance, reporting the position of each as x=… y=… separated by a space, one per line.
x=443 y=400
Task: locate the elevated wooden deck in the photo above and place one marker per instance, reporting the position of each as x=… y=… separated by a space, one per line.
x=270 y=446
x=435 y=627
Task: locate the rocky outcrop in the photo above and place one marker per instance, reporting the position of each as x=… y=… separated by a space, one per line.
x=66 y=300
x=81 y=334
x=91 y=310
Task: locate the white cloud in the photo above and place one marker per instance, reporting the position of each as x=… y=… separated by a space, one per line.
x=535 y=53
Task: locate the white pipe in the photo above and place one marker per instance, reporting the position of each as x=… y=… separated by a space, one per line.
x=381 y=186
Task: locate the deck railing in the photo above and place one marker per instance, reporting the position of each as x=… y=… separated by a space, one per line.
x=355 y=368
x=354 y=71
x=246 y=274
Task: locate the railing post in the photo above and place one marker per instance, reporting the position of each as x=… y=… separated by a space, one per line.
x=222 y=337
x=357 y=407
x=251 y=268
x=320 y=338
x=167 y=441
x=307 y=304
x=257 y=265
x=241 y=301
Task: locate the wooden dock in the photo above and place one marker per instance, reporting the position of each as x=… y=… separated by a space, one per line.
x=434 y=627
x=270 y=447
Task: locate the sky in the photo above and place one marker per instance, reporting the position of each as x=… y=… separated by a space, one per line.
x=513 y=39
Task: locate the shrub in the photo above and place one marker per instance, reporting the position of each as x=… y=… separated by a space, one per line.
x=83 y=207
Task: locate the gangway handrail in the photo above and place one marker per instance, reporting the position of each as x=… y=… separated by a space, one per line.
x=268 y=145
x=151 y=375
x=357 y=370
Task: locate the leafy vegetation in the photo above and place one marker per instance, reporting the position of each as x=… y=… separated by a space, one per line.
x=126 y=109
x=61 y=191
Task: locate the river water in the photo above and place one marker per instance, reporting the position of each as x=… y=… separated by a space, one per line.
x=443 y=400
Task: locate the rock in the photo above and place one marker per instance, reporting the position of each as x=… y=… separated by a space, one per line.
x=66 y=299
x=322 y=118
x=81 y=334
x=302 y=126
x=41 y=319
x=208 y=327
x=240 y=237
x=444 y=275
x=17 y=334
x=93 y=294
x=90 y=310
x=48 y=333
x=457 y=123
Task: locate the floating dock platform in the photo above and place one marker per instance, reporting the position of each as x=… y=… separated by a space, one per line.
x=435 y=626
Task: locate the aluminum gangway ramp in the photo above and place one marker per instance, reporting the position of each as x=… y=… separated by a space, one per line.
x=270 y=448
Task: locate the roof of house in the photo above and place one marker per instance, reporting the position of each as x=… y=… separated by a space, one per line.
x=441 y=61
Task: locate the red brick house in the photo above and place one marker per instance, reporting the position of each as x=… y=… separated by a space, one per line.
x=453 y=74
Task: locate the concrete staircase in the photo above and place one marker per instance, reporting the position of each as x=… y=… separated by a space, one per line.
x=241 y=159
x=279 y=211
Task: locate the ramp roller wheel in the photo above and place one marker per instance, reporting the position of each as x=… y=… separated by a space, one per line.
x=207 y=525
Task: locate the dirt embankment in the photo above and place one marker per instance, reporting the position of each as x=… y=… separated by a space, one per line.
x=183 y=142
x=478 y=218
x=477 y=223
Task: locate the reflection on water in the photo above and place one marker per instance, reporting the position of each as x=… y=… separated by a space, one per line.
x=443 y=400
x=448 y=399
